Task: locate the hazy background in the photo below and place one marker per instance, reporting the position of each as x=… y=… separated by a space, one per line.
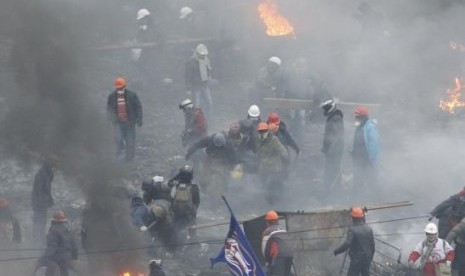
x=54 y=85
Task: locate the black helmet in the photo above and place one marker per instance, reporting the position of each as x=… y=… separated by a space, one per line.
x=147 y=184
x=186 y=173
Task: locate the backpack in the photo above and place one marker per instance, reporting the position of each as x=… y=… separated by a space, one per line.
x=182 y=199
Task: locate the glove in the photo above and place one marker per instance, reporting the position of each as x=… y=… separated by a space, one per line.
x=143 y=228
x=334 y=252
x=410 y=264
x=139 y=123
x=448 y=263
x=431 y=217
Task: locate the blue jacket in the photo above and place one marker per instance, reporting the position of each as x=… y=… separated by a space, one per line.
x=140 y=213
x=371 y=137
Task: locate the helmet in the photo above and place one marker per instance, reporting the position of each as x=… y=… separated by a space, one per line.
x=201 y=49
x=59 y=216
x=186 y=103
x=184 y=12
x=357 y=212
x=142 y=13
x=361 y=111
x=158 y=211
x=219 y=140
x=120 y=83
x=271 y=216
x=431 y=228
x=273 y=118
x=186 y=173
x=328 y=106
x=262 y=126
x=4 y=203
x=276 y=60
x=158 y=178
x=254 y=111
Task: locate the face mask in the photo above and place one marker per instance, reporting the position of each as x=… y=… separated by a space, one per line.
x=143 y=27
x=120 y=92
x=430 y=238
x=357 y=123
x=263 y=136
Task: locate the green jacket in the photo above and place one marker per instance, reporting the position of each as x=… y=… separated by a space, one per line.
x=272 y=155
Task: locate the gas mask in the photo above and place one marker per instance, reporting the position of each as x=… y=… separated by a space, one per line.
x=357 y=123
x=263 y=135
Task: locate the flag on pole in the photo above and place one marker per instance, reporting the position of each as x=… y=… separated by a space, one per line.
x=237 y=252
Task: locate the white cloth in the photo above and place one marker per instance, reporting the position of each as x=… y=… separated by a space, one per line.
x=441 y=249
x=204 y=67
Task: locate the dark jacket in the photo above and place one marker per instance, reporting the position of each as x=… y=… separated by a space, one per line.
x=192 y=75
x=140 y=214
x=133 y=105
x=41 y=197
x=359 y=241
x=7 y=216
x=457 y=208
x=285 y=137
x=61 y=247
x=333 y=140
x=154 y=191
x=225 y=154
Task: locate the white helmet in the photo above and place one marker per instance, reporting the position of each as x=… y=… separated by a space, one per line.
x=186 y=103
x=158 y=178
x=201 y=49
x=184 y=12
x=276 y=60
x=142 y=13
x=254 y=111
x=431 y=228
x=328 y=106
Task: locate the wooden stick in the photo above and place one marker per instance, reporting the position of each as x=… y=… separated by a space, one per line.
x=132 y=45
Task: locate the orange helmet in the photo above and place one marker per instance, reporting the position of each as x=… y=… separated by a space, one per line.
x=273 y=118
x=59 y=216
x=262 y=126
x=4 y=203
x=120 y=83
x=271 y=216
x=361 y=111
x=357 y=212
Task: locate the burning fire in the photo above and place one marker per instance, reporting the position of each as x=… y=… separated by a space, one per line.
x=456 y=46
x=276 y=25
x=129 y=274
x=454 y=99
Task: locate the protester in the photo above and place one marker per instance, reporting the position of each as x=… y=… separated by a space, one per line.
x=360 y=242
x=365 y=151
x=433 y=253
x=198 y=76
x=61 y=248
x=275 y=249
x=8 y=222
x=449 y=212
x=125 y=112
x=333 y=145
x=41 y=197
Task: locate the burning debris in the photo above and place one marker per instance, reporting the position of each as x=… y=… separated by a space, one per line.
x=276 y=24
x=454 y=99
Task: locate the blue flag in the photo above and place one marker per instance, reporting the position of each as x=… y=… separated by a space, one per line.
x=237 y=252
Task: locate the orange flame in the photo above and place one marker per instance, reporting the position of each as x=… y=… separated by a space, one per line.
x=454 y=99
x=276 y=25
x=456 y=46
x=129 y=274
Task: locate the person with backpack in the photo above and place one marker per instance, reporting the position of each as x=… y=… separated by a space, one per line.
x=275 y=249
x=435 y=254
x=185 y=198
